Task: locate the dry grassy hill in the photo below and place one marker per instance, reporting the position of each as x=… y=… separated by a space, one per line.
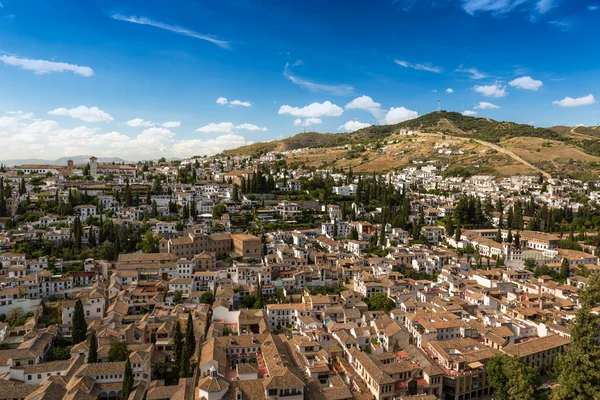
x=562 y=151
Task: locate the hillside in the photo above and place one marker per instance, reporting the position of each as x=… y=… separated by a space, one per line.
x=561 y=151
x=315 y=139
x=451 y=123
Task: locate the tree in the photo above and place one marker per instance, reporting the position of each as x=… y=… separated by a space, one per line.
x=190 y=339
x=118 y=351
x=93 y=353
x=150 y=243
x=511 y=378
x=499 y=236
x=457 y=234
x=247 y=301
x=381 y=302
x=77 y=233
x=178 y=297
x=177 y=343
x=260 y=299
x=207 y=298
x=127 y=381
x=576 y=371
x=235 y=194
x=184 y=366
x=219 y=210
x=78 y=324
x=154 y=213
x=530 y=264
x=14 y=315
x=565 y=269
x=497 y=378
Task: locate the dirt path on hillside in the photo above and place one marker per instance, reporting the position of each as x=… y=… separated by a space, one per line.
x=497 y=148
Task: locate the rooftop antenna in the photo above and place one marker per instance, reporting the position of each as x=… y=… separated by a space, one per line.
x=439 y=105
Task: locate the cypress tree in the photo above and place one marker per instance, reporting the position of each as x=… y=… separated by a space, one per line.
x=93 y=354
x=117 y=247
x=177 y=343
x=457 y=234
x=190 y=340
x=78 y=324
x=92 y=239
x=184 y=367
x=127 y=381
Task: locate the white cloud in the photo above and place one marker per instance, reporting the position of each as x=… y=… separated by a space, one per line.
x=228 y=127
x=543 y=6
x=337 y=90
x=325 y=109
x=419 y=67
x=352 y=126
x=138 y=122
x=41 y=67
x=172 y=28
x=240 y=103
x=593 y=7
x=307 y=121
x=223 y=101
x=449 y=90
x=575 y=102
x=564 y=26
x=365 y=103
x=526 y=82
x=496 y=90
x=473 y=72
x=187 y=148
x=250 y=127
x=484 y=105
x=29 y=137
x=399 y=114
x=469 y=113
x=91 y=114
x=506 y=6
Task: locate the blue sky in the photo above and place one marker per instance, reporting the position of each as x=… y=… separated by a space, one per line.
x=144 y=79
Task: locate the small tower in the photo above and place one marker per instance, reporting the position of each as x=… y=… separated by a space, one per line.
x=70 y=164
x=93 y=166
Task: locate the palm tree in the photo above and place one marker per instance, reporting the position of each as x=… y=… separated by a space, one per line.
x=14 y=315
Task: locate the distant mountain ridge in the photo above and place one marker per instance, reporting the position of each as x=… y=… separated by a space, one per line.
x=77 y=160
